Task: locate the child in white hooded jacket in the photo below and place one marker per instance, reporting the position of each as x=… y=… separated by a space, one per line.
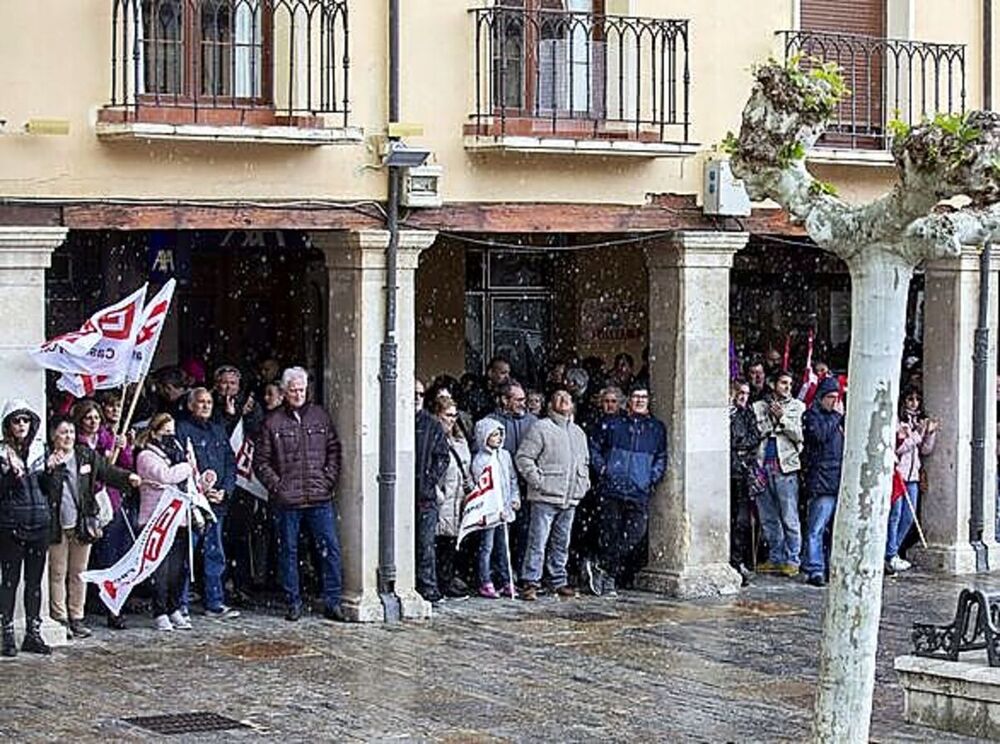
x=493 y=558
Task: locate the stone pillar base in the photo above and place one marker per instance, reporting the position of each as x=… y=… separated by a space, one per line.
x=363 y=608
x=414 y=607
x=712 y=580
x=956 y=696
x=946 y=559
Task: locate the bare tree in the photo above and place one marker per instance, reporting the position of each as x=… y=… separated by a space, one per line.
x=881 y=242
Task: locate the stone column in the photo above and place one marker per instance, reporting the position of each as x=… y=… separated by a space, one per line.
x=689 y=360
x=951 y=306
x=25 y=254
x=356 y=326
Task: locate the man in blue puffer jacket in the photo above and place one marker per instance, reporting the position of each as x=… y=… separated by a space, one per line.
x=629 y=455
x=823 y=430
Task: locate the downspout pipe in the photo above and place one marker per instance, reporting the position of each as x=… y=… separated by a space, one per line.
x=388 y=363
x=980 y=374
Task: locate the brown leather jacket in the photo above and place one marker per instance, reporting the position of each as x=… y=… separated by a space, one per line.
x=298 y=458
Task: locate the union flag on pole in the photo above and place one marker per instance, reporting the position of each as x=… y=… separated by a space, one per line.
x=483 y=508
x=102 y=346
x=148 y=336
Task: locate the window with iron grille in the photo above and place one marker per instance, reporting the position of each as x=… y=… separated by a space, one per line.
x=566 y=66
x=275 y=58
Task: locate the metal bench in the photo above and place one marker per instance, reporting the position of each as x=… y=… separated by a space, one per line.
x=976 y=626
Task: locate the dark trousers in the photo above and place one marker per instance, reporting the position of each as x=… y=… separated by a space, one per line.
x=16 y=554
x=586 y=529
x=740 y=524
x=446 y=562
x=427 y=519
x=321 y=521
x=168 y=578
x=623 y=526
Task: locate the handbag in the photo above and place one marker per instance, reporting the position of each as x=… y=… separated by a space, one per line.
x=105 y=512
x=88 y=529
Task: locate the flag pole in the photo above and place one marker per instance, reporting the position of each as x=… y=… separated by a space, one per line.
x=191 y=540
x=916 y=522
x=510 y=569
x=131 y=412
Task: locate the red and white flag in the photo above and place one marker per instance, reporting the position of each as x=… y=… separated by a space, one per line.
x=150 y=327
x=483 y=508
x=147 y=553
x=102 y=346
x=243 y=450
x=810 y=381
x=83 y=386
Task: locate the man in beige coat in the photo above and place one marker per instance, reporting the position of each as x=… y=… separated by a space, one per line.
x=779 y=418
x=553 y=460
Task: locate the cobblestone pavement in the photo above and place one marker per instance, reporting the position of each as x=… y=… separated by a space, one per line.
x=639 y=668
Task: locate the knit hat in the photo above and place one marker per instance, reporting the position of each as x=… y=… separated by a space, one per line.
x=826 y=386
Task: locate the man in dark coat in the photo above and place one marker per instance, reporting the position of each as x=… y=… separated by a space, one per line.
x=823 y=431
x=212 y=452
x=298 y=460
x=430 y=464
x=629 y=455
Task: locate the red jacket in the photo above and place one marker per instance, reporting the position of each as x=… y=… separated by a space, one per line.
x=298 y=456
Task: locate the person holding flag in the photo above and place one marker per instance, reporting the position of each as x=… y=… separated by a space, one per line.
x=161 y=462
x=494 y=557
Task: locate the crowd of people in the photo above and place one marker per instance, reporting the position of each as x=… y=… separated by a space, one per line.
x=576 y=462
x=787 y=450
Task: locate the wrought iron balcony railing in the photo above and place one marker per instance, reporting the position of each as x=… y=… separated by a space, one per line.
x=580 y=74
x=888 y=78
x=215 y=61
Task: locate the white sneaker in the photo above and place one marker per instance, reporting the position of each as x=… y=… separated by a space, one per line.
x=904 y=565
x=163 y=623
x=898 y=564
x=179 y=621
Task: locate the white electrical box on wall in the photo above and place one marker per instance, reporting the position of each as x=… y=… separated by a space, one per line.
x=422 y=186
x=724 y=194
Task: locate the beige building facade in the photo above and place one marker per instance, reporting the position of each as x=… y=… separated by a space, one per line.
x=238 y=146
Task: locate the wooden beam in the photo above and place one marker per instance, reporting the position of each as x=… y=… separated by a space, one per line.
x=179 y=217
x=30 y=215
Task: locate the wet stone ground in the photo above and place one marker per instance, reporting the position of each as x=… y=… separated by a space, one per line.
x=639 y=668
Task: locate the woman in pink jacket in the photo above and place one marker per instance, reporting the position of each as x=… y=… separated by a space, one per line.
x=914 y=438
x=162 y=461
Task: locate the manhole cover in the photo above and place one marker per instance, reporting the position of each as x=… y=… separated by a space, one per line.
x=185 y=723
x=263 y=650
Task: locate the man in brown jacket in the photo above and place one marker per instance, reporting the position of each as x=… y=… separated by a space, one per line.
x=298 y=461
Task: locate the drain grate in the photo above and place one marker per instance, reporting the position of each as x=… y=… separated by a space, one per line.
x=264 y=650
x=186 y=723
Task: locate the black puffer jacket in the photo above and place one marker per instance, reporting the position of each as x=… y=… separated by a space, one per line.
x=744 y=436
x=24 y=507
x=824 y=450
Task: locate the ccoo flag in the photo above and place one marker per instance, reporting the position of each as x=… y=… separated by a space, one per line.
x=148 y=336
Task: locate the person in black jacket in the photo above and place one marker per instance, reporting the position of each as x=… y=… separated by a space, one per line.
x=24 y=525
x=823 y=431
x=744 y=437
x=430 y=464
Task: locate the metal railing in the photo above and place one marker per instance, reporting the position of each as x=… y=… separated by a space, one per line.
x=289 y=58
x=888 y=79
x=577 y=72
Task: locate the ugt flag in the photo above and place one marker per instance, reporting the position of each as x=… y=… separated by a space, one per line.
x=483 y=508
x=102 y=346
x=148 y=336
x=243 y=450
x=150 y=548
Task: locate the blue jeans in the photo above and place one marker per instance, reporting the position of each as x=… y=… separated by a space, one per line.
x=321 y=523
x=900 y=520
x=550 y=525
x=778 y=508
x=493 y=556
x=818 y=518
x=214 y=563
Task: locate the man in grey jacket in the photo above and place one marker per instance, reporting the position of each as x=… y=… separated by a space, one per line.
x=553 y=460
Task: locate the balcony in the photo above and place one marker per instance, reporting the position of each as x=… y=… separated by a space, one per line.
x=264 y=71
x=888 y=78
x=570 y=81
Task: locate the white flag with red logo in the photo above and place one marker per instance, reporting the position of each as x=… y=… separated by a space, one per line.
x=151 y=547
x=83 y=386
x=102 y=346
x=483 y=508
x=243 y=449
x=150 y=327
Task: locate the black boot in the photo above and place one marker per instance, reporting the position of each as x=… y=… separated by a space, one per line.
x=9 y=644
x=33 y=642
